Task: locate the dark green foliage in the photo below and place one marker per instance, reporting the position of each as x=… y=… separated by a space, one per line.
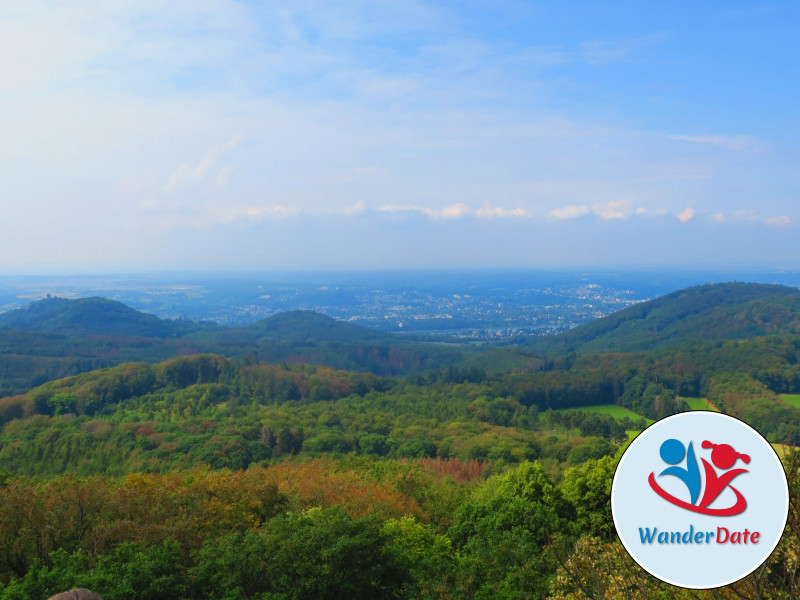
x=90 y=316
x=61 y=572
x=714 y=312
x=653 y=401
x=307 y=326
x=417 y=447
x=183 y=372
x=315 y=555
x=778 y=421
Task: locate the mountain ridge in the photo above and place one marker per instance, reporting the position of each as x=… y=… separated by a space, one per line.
x=57 y=337
x=711 y=312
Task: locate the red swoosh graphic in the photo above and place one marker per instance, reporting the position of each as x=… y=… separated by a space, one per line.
x=737 y=508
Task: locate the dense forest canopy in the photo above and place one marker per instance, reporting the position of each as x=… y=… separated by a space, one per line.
x=714 y=312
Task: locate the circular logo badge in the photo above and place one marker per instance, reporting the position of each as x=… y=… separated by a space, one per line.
x=699 y=500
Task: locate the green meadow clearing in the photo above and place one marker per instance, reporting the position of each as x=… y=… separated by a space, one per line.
x=782 y=449
x=791 y=399
x=613 y=410
x=700 y=404
x=620 y=412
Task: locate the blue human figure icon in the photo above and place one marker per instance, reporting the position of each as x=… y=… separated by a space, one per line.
x=672 y=452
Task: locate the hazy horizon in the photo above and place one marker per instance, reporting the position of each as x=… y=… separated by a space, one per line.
x=385 y=298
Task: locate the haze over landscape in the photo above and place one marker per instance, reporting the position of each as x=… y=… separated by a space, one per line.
x=317 y=300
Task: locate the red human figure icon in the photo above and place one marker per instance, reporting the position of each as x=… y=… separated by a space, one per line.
x=724 y=457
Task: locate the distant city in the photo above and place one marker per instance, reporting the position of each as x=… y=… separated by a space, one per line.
x=467 y=305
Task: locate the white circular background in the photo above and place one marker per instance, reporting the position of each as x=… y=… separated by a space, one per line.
x=635 y=505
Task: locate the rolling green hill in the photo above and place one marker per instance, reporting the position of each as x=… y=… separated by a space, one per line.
x=103 y=317
x=57 y=337
x=90 y=316
x=711 y=313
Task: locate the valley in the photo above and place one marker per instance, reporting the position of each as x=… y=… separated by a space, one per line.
x=169 y=449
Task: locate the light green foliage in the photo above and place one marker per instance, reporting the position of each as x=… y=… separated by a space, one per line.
x=614 y=410
x=503 y=536
x=791 y=399
x=699 y=404
x=588 y=488
x=62 y=403
x=424 y=554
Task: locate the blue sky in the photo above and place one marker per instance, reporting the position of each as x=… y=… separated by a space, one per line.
x=213 y=134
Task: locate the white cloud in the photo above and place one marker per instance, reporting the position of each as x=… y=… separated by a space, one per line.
x=458 y=211
x=394 y=208
x=619 y=209
x=686 y=215
x=454 y=211
x=719 y=217
x=208 y=161
x=489 y=212
x=356 y=209
x=179 y=177
x=650 y=212
x=780 y=221
x=736 y=142
x=224 y=175
x=233 y=142
x=754 y=217
x=247 y=213
x=569 y=212
x=187 y=174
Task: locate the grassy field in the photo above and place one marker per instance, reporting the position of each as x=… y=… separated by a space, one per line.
x=700 y=404
x=618 y=412
x=780 y=449
x=791 y=399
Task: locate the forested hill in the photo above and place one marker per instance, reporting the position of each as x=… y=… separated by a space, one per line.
x=103 y=317
x=90 y=316
x=207 y=476
x=714 y=312
x=57 y=337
